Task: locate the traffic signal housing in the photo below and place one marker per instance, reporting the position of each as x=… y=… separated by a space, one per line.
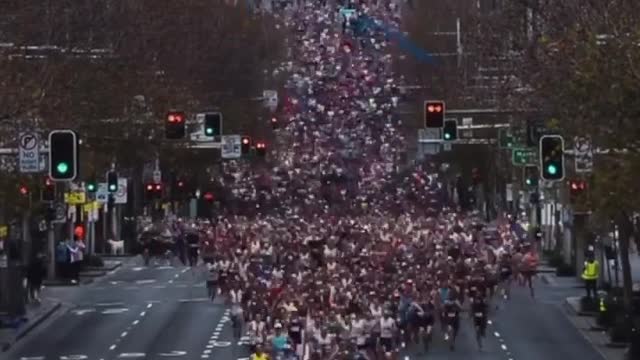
x=48 y=192
x=531 y=174
x=112 y=181
x=576 y=189
x=213 y=124
x=450 y=130
x=245 y=145
x=552 y=157
x=175 y=125
x=434 y=113
x=63 y=155
x=261 y=148
x=153 y=190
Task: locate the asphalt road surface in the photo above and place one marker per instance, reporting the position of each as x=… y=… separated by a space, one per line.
x=162 y=312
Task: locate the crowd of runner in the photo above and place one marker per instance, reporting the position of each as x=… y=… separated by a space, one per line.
x=330 y=250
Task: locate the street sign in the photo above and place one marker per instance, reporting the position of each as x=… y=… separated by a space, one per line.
x=157 y=176
x=270 y=99
x=29 y=153
x=347 y=13
x=120 y=197
x=102 y=193
x=231 y=147
x=76 y=197
x=524 y=156
x=583 y=154
x=60 y=213
x=467 y=133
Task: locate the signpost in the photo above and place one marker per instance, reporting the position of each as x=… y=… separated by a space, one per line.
x=524 y=157
x=583 y=154
x=231 y=147
x=29 y=153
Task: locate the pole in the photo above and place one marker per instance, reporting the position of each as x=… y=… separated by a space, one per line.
x=616 y=265
x=51 y=244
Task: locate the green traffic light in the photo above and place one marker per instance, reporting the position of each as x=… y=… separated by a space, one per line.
x=209 y=131
x=112 y=187
x=552 y=169
x=91 y=187
x=529 y=182
x=447 y=136
x=62 y=168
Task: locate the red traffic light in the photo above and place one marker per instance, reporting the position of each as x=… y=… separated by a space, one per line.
x=78 y=231
x=274 y=120
x=261 y=145
x=434 y=108
x=158 y=187
x=175 y=117
x=24 y=190
x=208 y=196
x=48 y=182
x=578 y=185
x=149 y=187
x=246 y=141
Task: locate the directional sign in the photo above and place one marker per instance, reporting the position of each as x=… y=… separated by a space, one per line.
x=120 y=197
x=29 y=153
x=231 y=147
x=524 y=156
x=270 y=99
x=583 y=154
x=102 y=193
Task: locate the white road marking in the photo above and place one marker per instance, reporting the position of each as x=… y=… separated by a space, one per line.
x=143 y=313
x=112 y=347
x=139 y=268
x=185 y=270
x=149 y=306
x=74 y=357
x=145 y=281
x=209 y=346
x=114 y=311
x=124 y=333
x=174 y=353
x=497 y=334
x=204 y=356
x=207 y=351
x=165 y=267
x=135 y=322
x=131 y=355
x=216 y=333
x=82 y=311
x=114 y=282
x=110 y=304
x=221 y=344
x=159 y=286
x=170 y=281
x=503 y=346
x=32 y=358
x=194 y=300
x=176 y=275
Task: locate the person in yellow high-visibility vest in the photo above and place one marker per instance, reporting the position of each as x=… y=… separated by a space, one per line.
x=590 y=274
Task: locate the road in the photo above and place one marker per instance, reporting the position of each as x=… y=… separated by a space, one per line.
x=161 y=312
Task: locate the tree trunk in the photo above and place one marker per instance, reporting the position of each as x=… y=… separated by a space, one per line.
x=625 y=232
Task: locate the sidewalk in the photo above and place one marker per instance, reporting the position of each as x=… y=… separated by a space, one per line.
x=88 y=274
x=36 y=314
x=589 y=329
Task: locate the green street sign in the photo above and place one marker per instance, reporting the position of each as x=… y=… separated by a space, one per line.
x=524 y=156
x=505 y=139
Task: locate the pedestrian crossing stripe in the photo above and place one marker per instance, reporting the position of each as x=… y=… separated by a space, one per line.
x=221 y=343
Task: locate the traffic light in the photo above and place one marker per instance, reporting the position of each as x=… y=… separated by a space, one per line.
x=450 y=130
x=213 y=124
x=48 y=192
x=112 y=181
x=552 y=157
x=434 y=114
x=208 y=196
x=24 y=190
x=63 y=155
x=91 y=186
x=576 y=188
x=274 y=123
x=531 y=175
x=505 y=139
x=153 y=190
x=245 y=145
x=261 y=148
x=179 y=189
x=175 y=125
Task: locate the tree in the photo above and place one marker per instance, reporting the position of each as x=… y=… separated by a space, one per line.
x=580 y=60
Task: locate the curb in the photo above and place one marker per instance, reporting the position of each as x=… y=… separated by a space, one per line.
x=31 y=326
x=569 y=310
